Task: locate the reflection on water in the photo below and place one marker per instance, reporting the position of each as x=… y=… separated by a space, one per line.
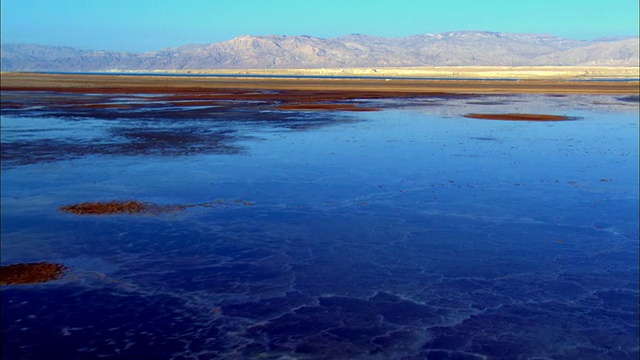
x=408 y=232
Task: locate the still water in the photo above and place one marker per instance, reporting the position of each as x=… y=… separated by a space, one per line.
x=406 y=233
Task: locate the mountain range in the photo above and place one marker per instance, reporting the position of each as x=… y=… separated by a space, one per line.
x=461 y=48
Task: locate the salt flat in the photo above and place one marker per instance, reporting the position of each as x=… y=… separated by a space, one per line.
x=494 y=72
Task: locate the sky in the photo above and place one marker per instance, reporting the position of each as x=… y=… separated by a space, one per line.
x=148 y=25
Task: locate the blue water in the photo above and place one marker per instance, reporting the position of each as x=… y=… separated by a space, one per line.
x=411 y=232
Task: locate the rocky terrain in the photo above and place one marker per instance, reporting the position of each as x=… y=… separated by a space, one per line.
x=465 y=48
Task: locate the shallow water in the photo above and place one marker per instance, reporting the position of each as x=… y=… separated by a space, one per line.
x=411 y=232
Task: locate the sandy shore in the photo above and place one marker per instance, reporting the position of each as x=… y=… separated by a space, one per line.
x=449 y=72
x=391 y=87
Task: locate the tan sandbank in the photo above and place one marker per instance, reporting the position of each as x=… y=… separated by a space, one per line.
x=351 y=88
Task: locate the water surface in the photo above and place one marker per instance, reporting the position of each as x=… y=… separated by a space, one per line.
x=411 y=232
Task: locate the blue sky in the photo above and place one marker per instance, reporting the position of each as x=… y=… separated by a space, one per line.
x=145 y=25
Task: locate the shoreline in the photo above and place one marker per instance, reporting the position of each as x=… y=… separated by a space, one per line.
x=123 y=83
x=444 y=72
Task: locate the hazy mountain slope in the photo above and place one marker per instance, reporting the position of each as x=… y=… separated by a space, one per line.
x=452 y=48
x=618 y=53
x=27 y=57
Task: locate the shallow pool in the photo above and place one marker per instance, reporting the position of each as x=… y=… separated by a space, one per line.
x=411 y=232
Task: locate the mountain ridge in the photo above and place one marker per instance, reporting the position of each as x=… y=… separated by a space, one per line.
x=454 y=48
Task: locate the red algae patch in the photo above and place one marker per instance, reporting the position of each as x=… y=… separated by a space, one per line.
x=108 y=208
x=30 y=273
x=138 y=208
x=519 y=117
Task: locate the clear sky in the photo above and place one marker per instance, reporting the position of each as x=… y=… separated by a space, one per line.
x=145 y=25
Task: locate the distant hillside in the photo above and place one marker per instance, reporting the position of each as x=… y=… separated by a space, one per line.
x=446 y=49
x=617 y=53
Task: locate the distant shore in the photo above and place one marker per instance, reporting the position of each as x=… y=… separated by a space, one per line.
x=447 y=72
x=392 y=87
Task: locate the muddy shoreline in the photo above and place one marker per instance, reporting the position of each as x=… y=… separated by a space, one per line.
x=349 y=88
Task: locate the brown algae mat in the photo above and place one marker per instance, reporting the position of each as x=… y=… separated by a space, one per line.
x=112 y=207
x=30 y=273
x=519 y=117
x=136 y=207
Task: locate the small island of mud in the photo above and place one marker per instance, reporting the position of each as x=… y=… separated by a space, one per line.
x=30 y=273
x=113 y=207
x=139 y=208
x=519 y=117
x=320 y=106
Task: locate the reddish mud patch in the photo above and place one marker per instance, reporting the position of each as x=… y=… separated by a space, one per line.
x=135 y=207
x=519 y=117
x=106 y=106
x=31 y=273
x=316 y=106
x=113 y=207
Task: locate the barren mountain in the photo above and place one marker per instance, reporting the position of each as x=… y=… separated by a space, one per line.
x=618 y=53
x=446 y=49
